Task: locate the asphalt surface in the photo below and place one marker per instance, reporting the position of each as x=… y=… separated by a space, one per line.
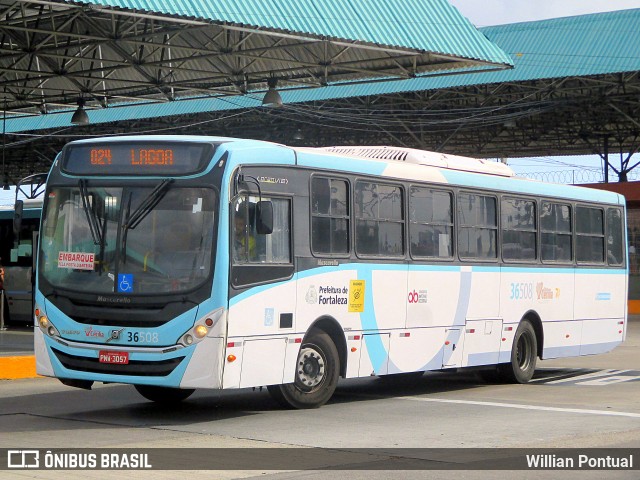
x=579 y=403
x=16 y=341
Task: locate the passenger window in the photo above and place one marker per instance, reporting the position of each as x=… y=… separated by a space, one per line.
x=477 y=226
x=519 y=230
x=379 y=219
x=589 y=235
x=555 y=228
x=615 y=255
x=430 y=223
x=329 y=216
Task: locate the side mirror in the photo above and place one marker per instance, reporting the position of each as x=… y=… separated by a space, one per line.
x=17 y=217
x=264 y=217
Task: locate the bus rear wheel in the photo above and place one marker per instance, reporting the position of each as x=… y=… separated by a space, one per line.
x=316 y=377
x=524 y=353
x=164 y=395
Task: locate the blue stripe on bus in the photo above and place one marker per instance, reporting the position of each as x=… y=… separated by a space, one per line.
x=483 y=358
x=577 y=350
x=464 y=297
x=361 y=268
x=577 y=271
x=378 y=354
x=595 y=348
x=559 y=352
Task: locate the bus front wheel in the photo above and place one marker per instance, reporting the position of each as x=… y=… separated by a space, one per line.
x=316 y=377
x=164 y=395
x=524 y=353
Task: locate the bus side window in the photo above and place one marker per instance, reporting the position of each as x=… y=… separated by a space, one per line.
x=248 y=246
x=614 y=237
x=589 y=235
x=430 y=223
x=519 y=229
x=329 y=216
x=477 y=227
x=556 y=231
x=379 y=219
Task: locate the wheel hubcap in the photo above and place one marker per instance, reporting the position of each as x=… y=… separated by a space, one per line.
x=311 y=368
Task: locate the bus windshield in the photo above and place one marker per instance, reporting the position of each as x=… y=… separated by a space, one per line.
x=128 y=240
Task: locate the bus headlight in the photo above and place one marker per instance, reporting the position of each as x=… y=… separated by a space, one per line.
x=45 y=325
x=201 y=331
x=206 y=325
x=194 y=335
x=43 y=322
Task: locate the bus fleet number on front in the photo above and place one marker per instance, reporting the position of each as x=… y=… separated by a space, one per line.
x=142 y=337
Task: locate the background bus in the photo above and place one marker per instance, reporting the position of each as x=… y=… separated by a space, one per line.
x=17 y=247
x=16 y=252
x=175 y=263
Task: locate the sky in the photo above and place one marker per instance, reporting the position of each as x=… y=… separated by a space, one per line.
x=483 y=13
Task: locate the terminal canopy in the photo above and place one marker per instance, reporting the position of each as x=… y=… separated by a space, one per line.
x=56 y=54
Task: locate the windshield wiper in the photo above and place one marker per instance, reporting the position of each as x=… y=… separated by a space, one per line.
x=139 y=214
x=97 y=231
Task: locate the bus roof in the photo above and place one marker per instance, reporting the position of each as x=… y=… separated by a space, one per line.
x=424 y=157
x=409 y=164
x=402 y=163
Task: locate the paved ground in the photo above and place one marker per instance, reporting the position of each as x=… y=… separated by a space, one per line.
x=573 y=403
x=16 y=341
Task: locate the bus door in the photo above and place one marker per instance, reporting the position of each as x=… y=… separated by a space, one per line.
x=262 y=316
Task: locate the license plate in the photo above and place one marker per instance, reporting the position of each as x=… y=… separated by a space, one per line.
x=120 y=358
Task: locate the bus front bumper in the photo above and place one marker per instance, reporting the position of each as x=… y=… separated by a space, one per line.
x=196 y=366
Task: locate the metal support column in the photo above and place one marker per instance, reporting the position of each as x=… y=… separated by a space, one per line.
x=2 y=327
x=606 y=159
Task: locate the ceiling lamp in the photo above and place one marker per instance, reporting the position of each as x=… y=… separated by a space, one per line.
x=80 y=117
x=272 y=98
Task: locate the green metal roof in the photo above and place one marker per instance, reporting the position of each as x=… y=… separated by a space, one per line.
x=427 y=25
x=585 y=45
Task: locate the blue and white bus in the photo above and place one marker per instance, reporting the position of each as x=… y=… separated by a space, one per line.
x=17 y=248
x=175 y=263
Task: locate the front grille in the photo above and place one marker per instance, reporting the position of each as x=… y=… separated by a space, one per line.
x=134 y=367
x=143 y=315
x=118 y=321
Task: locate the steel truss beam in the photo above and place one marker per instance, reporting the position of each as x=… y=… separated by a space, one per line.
x=60 y=52
x=547 y=117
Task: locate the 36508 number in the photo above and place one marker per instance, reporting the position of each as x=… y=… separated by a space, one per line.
x=521 y=291
x=142 y=337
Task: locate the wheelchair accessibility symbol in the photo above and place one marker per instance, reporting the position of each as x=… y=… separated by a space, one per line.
x=125 y=282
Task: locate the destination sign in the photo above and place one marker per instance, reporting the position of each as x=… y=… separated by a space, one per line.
x=136 y=158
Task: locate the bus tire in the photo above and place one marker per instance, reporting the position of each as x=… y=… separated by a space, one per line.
x=524 y=353
x=316 y=377
x=164 y=395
